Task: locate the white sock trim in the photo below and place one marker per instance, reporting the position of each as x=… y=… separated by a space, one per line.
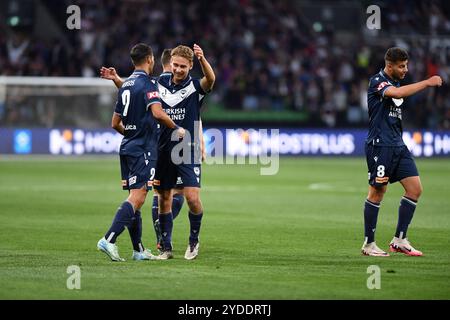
x=410 y=201
x=110 y=237
x=372 y=204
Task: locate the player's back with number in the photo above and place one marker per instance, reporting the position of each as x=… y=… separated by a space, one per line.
x=140 y=128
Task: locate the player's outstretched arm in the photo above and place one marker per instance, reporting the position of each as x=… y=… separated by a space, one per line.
x=111 y=74
x=116 y=123
x=207 y=82
x=410 y=89
x=162 y=117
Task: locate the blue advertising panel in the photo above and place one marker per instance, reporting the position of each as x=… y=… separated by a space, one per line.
x=232 y=142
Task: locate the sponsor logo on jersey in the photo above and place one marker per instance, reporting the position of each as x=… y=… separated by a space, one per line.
x=132 y=180
x=382 y=85
x=151 y=95
x=395 y=112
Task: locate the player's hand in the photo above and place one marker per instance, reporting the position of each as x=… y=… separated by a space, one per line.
x=198 y=52
x=181 y=133
x=108 y=73
x=435 y=81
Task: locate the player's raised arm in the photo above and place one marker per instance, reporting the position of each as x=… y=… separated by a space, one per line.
x=207 y=82
x=160 y=115
x=410 y=89
x=111 y=74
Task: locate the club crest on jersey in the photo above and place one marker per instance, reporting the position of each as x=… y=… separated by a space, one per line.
x=183 y=92
x=151 y=95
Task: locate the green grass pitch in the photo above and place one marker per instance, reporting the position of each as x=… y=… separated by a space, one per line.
x=295 y=235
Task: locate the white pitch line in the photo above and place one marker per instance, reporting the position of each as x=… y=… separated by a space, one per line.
x=327 y=186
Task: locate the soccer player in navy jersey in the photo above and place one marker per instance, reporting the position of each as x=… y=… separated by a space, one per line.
x=178 y=192
x=182 y=97
x=137 y=111
x=388 y=159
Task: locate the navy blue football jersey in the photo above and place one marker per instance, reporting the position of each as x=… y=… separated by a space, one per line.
x=385 y=114
x=136 y=95
x=182 y=103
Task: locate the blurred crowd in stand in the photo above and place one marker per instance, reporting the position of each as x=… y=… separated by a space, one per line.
x=267 y=54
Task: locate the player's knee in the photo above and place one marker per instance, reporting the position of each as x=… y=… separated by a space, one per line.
x=140 y=202
x=165 y=201
x=376 y=195
x=194 y=202
x=137 y=198
x=415 y=193
x=376 y=198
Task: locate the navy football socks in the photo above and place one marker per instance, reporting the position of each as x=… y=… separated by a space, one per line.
x=166 y=225
x=177 y=204
x=370 y=219
x=195 y=221
x=122 y=219
x=135 y=231
x=405 y=215
x=155 y=206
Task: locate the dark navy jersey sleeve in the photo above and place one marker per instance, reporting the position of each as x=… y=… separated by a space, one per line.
x=151 y=94
x=379 y=85
x=198 y=87
x=119 y=105
x=201 y=93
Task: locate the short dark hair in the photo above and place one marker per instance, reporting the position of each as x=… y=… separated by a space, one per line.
x=396 y=54
x=165 y=57
x=140 y=52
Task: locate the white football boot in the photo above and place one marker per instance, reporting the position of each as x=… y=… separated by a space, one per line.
x=110 y=249
x=403 y=245
x=192 y=251
x=371 y=249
